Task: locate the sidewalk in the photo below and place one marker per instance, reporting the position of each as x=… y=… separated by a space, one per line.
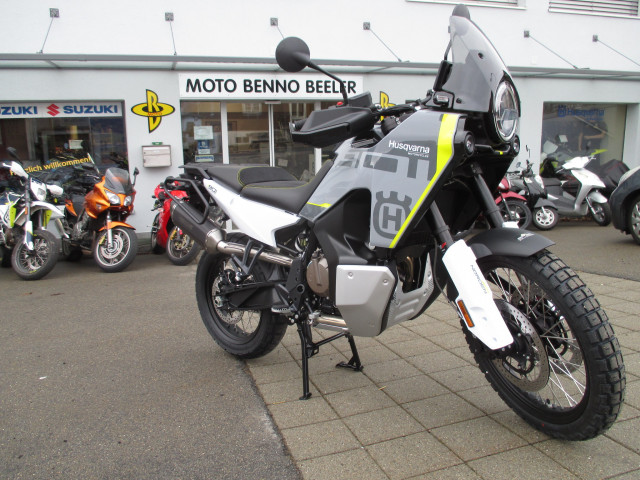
x=422 y=409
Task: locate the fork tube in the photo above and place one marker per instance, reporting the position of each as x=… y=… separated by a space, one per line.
x=109 y=232
x=440 y=228
x=492 y=211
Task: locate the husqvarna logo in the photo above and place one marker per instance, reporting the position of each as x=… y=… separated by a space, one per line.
x=153 y=110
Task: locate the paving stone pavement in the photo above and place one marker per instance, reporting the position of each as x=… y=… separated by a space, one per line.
x=421 y=409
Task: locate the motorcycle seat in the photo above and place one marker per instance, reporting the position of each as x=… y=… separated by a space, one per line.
x=236 y=177
x=289 y=195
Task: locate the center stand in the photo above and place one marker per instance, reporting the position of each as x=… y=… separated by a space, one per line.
x=310 y=348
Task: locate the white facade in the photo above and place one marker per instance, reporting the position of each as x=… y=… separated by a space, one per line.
x=413 y=30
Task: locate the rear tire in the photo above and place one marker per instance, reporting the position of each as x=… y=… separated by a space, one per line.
x=545 y=219
x=564 y=373
x=122 y=252
x=181 y=248
x=243 y=333
x=36 y=264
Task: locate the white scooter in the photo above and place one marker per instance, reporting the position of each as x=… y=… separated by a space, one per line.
x=574 y=190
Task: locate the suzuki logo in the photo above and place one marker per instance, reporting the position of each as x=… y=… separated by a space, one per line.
x=53 y=110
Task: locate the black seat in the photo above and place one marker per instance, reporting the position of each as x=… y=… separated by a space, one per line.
x=237 y=177
x=289 y=195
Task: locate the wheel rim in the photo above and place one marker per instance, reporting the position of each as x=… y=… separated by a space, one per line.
x=518 y=214
x=598 y=212
x=179 y=244
x=32 y=261
x=236 y=324
x=541 y=334
x=154 y=231
x=120 y=246
x=544 y=217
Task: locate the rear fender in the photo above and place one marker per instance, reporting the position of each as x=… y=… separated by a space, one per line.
x=111 y=225
x=512 y=242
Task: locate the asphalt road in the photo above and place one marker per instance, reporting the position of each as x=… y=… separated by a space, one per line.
x=113 y=376
x=585 y=246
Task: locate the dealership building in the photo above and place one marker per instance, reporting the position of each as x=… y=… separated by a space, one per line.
x=155 y=87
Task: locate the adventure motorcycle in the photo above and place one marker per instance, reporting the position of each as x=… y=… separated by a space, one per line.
x=180 y=247
x=94 y=220
x=375 y=237
x=574 y=190
x=514 y=207
x=24 y=216
x=531 y=186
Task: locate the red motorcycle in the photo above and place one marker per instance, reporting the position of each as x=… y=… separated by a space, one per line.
x=513 y=206
x=165 y=236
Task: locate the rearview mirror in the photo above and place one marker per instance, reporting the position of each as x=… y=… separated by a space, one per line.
x=292 y=54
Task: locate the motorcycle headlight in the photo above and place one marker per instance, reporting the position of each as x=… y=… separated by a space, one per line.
x=39 y=190
x=505 y=111
x=127 y=200
x=113 y=198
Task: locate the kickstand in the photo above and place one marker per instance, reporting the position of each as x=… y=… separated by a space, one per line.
x=310 y=348
x=354 y=363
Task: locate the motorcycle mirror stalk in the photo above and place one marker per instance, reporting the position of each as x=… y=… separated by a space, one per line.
x=293 y=55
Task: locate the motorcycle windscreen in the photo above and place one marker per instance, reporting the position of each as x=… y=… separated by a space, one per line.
x=117 y=180
x=477 y=67
x=399 y=172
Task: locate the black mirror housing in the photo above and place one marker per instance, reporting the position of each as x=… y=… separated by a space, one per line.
x=292 y=54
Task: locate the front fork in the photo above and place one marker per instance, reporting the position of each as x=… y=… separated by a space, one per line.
x=109 y=232
x=474 y=301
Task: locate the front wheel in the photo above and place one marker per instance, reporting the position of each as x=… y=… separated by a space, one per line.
x=243 y=332
x=155 y=226
x=518 y=211
x=35 y=264
x=633 y=219
x=119 y=255
x=181 y=248
x=545 y=218
x=564 y=373
x=601 y=213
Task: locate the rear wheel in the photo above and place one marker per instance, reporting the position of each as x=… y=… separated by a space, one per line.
x=35 y=264
x=120 y=253
x=564 y=372
x=545 y=218
x=633 y=219
x=245 y=333
x=601 y=213
x=181 y=248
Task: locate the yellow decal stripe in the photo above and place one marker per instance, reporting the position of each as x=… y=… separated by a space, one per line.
x=445 y=150
x=321 y=205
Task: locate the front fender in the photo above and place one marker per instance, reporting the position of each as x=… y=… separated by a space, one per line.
x=596 y=196
x=111 y=225
x=513 y=242
x=55 y=211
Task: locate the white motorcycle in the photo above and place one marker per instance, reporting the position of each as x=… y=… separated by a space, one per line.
x=574 y=190
x=379 y=233
x=24 y=216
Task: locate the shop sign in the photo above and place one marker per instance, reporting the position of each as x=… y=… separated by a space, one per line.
x=265 y=86
x=153 y=110
x=60 y=110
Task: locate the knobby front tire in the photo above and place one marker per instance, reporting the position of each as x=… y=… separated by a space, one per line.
x=33 y=265
x=564 y=374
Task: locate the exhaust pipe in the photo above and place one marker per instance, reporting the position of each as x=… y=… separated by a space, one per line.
x=212 y=237
x=330 y=322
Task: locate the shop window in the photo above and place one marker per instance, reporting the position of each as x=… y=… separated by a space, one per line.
x=248 y=132
x=201 y=132
x=51 y=136
x=578 y=129
x=297 y=158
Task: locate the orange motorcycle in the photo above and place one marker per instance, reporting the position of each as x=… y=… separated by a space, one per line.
x=95 y=212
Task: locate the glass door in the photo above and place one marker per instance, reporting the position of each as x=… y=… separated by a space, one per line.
x=297 y=158
x=248 y=132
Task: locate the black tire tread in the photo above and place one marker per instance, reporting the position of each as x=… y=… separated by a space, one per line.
x=601 y=344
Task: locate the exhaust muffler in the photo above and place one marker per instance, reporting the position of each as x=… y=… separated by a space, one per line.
x=212 y=237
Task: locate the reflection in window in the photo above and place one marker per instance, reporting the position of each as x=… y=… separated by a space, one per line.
x=201 y=132
x=578 y=129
